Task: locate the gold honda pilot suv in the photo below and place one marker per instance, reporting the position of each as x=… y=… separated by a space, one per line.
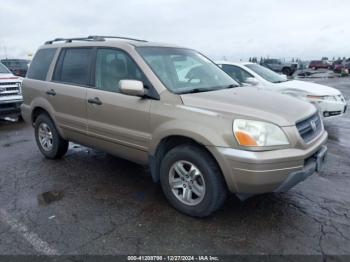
x=173 y=109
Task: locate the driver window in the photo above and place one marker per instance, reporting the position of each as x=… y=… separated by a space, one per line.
x=112 y=66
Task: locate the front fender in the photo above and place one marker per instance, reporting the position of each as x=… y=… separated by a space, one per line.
x=207 y=135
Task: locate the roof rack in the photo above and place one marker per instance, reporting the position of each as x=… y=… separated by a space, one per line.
x=90 y=38
x=116 y=37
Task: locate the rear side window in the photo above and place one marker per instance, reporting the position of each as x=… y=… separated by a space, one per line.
x=41 y=63
x=74 y=66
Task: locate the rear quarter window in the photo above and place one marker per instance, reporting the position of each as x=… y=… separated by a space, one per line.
x=41 y=63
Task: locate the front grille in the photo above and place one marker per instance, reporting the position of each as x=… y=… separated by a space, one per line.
x=7 y=83
x=15 y=88
x=12 y=90
x=8 y=105
x=8 y=94
x=310 y=128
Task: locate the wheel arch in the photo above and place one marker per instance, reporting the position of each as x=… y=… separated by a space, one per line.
x=39 y=106
x=165 y=145
x=36 y=112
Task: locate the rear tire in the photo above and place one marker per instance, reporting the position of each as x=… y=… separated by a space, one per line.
x=49 y=141
x=192 y=181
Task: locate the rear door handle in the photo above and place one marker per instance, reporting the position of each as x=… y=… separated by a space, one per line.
x=51 y=92
x=95 y=101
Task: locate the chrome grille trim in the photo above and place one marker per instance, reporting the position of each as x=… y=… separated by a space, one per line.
x=310 y=127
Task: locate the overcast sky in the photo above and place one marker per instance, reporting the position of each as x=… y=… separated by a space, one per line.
x=232 y=29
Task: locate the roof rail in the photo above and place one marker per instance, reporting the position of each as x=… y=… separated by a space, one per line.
x=116 y=37
x=69 y=40
x=90 y=38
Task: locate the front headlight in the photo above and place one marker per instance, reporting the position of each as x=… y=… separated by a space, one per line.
x=258 y=134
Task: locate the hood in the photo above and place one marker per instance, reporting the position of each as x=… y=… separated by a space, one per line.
x=7 y=76
x=311 y=88
x=252 y=103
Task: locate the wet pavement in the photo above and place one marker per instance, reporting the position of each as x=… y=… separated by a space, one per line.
x=92 y=203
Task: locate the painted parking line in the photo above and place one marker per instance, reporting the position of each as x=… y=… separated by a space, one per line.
x=32 y=238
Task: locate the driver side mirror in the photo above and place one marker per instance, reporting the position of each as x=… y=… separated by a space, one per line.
x=131 y=88
x=252 y=81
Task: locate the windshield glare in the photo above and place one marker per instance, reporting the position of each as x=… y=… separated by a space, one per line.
x=183 y=70
x=3 y=69
x=266 y=73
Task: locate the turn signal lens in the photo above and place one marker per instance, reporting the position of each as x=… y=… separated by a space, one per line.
x=245 y=139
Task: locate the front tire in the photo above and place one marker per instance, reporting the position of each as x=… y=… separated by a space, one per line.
x=287 y=71
x=192 y=181
x=49 y=141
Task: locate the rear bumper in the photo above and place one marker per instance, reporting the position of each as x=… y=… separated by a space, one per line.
x=248 y=173
x=10 y=108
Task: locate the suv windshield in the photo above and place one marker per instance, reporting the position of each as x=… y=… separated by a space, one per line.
x=266 y=73
x=16 y=63
x=3 y=69
x=184 y=70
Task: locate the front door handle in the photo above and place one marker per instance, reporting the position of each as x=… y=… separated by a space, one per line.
x=95 y=101
x=51 y=92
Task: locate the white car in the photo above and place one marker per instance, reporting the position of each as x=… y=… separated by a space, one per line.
x=10 y=93
x=329 y=101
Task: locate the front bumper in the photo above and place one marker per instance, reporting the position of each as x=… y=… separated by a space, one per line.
x=312 y=164
x=330 y=109
x=248 y=173
x=10 y=108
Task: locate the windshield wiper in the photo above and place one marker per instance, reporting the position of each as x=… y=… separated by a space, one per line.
x=231 y=86
x=196 y=90
x=206 y=89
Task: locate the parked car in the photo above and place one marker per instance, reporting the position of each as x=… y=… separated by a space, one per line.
x=200 y=132
x=18 y=67
x=278 y=66
x=10 y=93
x=341 y=67
x=335 y=64
x=318 y=64
x=329 y=101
